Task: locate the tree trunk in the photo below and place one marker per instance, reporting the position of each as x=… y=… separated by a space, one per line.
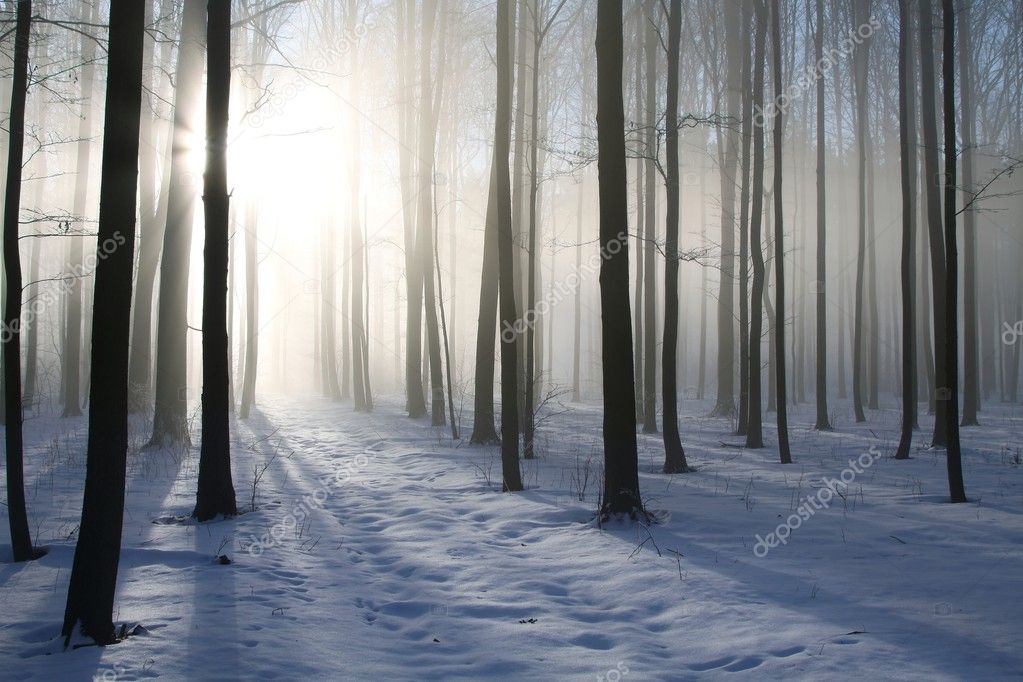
x=861 y=66
x=511 y=476
x=21 y=540
x=950 y=404
x=907 y=157
x=151 y=223
x=93 y=583
x=170 y=420
x=754 y=422
x=426 y=217
x=744 y=217
x=971 y=323
x=779 y=244
x=652 y=49
x=674 y=456
x=73 y=324
x=934 y=218
x=251 y=317
x=725 y=405
x=821 y=391
x=215 y=495
x=621 y=466
x=483 y=430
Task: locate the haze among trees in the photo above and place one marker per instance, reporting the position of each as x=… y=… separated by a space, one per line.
x=293 y=285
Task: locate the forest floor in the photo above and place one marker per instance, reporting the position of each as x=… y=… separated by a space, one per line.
x=402 y=560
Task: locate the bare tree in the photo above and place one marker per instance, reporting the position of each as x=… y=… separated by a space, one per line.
x=621 y=467
x=90 y=599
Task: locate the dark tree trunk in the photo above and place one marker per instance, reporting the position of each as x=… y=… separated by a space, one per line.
x=907 y=157
x=928 y=116
x=861 y=66
x=744 y=217
x=823 y=421
x=971 y=323
x=93 y=583
x=674 y=456
x=21 y=540
x=754 y=423
x=950 y=405
x=170 y=419
x=215 y=495
x=652 y=49
x=621 y=466
x=511 y=476
x=725 y=405
x=779 y=245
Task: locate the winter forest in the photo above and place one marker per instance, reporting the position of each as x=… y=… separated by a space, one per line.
x=489 y=339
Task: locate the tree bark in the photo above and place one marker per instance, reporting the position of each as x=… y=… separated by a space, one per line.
x=950 y=404
x=510 y=474
x=779 y=244
x=823 y=421
x=725 y=405
x=861 y=66
x=21 y=539
x=754 y=423
x=674 y=456
x=170 y=425
x=621 y=467
x=971 y=322
x=90 y=600
x=928 y=116
x=215 y=494
x=907 y=157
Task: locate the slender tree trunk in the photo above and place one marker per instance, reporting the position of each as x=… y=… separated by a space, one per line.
x=90 y=600
x=511 y=476
x=21 y=540
x=754 y=423
x=170 y=424
x=652 y=49
x=621 y=466
x=215 y=493
x=934 y=219
x=674 y=456
x=252 y=317
x=725 y=405
x=861 y=65
x=483 y=430
x=950 y=404
x=744 y=217
x=779 y=243
x=971 y=321
x=907 y=157
x=73 y=323
x=821 y=391
x=425 y=218
x=151 y=225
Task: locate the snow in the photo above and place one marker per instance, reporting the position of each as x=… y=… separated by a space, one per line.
x=401 y=559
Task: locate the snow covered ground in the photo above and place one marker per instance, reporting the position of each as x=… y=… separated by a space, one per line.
x=379 y=549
